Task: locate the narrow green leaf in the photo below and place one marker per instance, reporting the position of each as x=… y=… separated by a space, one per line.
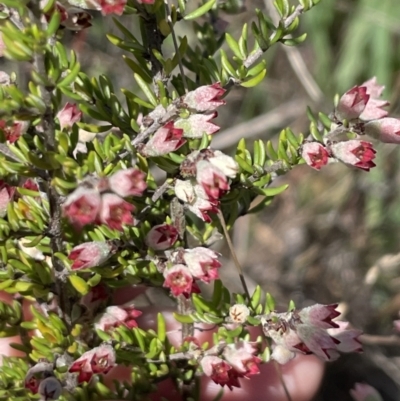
x=200 y=11
x=255 y=80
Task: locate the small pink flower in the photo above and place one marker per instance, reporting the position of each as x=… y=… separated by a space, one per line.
x=362 y=102
x=89 y=254
x=320 y=315
x=179 y=280
x=315 y=154
x=98 y=360
x=112 y=6
x=220 y=371
x=205 y=98
x=364 y=392
x=385 y=130
x=31 y=185
x=240 y=356
x=12 y=131
x=115 y=212
x=128 y=182
x=69 y=115
x=162 y=237
x=82 y=206
x=355 y=153
x=114 y=316
x=197 y=124
x=352 y=103
x=36 y=374
x=203 y=263
x=212 y=179
x=166 y=139
x=6 y=196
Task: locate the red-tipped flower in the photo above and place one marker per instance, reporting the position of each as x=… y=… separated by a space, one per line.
x=315 y=154
x=355 y=153
x=89 y=254
x=128 y=182
x=179 y=280
x=112 y=6
x=69 y=115
x=385 y=130
x=115 y=212
x=166 y=139
x=212 y=179
x=162 y=237
x=197 y=124
x=205 y=98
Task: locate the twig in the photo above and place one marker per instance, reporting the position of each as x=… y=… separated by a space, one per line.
x=369 y=339
x=285 y=389
x=48 y=126
x=233 y=253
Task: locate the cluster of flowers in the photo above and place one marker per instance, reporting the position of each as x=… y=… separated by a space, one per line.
x=189 y=265
x=360 y=112
x=99 y=201
x=235 y=361
x=310 y=331
x=202 y=103
x=40 y=380
x=207 y=173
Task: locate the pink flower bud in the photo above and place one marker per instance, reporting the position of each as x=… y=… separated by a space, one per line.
x=115 y=212
x=13 y=130
x=162 y=237
x=220 y=371
x=50 y=389
x=212 y=179
x=128 y=182
x=6 y=196
x=112 y=6
x=82 y=206
x=355 y=153
x=373 y=110
x=314 y=154
x=114 y=316
x=203 y=263
x=98 y=360
x=385 y=130
x=352 y=103
x=166 y=139
x=240 y=356
x=364 y=392
x=202 y=207
x=225 y=163
x=320 y=315
x=69 y=115
x=197 y=124
x=179 y=280
x=205 y=98
x=89 y=254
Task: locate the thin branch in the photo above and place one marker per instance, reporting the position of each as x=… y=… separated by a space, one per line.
x=233 y=253
x=281 y=379
x=369 y=339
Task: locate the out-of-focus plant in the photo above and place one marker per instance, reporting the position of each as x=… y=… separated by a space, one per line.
x=80 y=220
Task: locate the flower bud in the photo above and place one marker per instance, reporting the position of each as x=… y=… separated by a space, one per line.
x=220 y=371
x=69 y=115
x=115 y=212
x=240 y=356
x=205 y=98
x=6 y=195
x=320 y=315
x=162 y=237
x=89 y=254
x=13 y=130
x=114 y=316
x=385 y=130
x=196 y=125
x=314 y=154
x=203 y=263
x=112 y=6
x=225 y=163
x=212 y=179
x=165 y=140
x=355 y=153
x=128 y=182
x=82 y=206
x=352 y=103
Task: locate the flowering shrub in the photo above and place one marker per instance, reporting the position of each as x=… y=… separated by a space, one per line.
x=81 y=220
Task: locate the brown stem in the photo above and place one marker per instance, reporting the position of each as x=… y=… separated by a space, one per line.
x=48 y=126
